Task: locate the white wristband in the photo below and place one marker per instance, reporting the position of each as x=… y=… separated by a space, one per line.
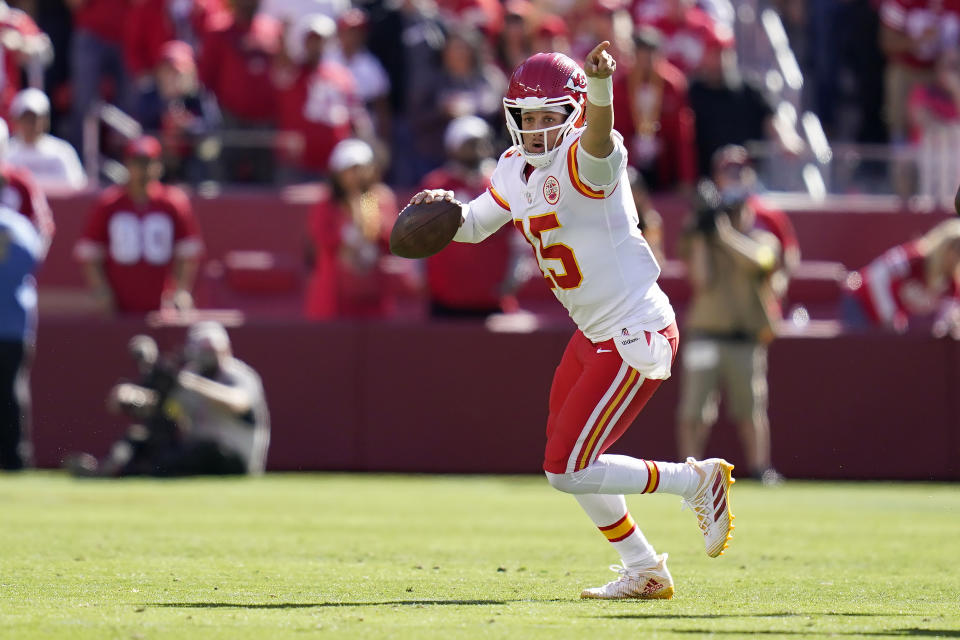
x=600 y=91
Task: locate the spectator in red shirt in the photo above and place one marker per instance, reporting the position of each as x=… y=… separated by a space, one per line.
x=141 y=244
x=20 y=192
x=22 y=44
x=472 y=280
x=96 y=51
x=911 y=283
x=349 y=239
x=236 y=61
x=318 y=102
x=687 y=30
x=652 y=112
x=150 y=24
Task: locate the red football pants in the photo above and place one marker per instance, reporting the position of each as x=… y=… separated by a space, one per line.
x=595 y=396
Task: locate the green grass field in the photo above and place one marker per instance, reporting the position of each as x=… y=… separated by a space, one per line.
x=375 y=556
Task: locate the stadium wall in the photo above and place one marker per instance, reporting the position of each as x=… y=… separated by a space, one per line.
x=276 y=222
x=455 y=397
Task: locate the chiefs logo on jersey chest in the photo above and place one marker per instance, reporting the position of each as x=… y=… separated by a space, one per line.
x=551 y=190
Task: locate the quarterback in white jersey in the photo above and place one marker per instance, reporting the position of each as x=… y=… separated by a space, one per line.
x=563 y=186
x=585 y=235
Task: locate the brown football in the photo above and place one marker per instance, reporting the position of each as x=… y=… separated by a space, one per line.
x=423 y=229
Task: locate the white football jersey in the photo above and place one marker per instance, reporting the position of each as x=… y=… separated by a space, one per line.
x=584 y=236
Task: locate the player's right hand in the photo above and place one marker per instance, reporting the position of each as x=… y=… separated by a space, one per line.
x=431 y=195
x=599 y=63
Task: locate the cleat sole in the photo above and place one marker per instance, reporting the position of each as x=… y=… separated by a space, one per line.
x=663 y=594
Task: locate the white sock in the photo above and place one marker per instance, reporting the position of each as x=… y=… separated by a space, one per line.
x=616 y=474
x=677 y=478
x=609 y=513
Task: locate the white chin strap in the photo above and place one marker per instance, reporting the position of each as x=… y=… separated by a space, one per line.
x=538 y=160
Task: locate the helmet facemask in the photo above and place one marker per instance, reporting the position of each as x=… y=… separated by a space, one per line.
x=514 y=109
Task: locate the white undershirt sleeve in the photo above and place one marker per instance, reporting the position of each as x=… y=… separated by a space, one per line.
x=482 y=217
x=603 y=172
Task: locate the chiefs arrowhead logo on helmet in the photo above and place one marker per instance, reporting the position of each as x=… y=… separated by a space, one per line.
x=577 y=81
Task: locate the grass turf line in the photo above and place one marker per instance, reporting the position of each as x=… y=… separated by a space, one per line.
x=378 y=556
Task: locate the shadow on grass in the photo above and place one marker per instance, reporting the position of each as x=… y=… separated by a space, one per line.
x=779 y=614
x=890 y=633
x=313 y=605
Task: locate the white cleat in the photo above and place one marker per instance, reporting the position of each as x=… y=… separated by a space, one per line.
x=654 y=583
x=711 y=503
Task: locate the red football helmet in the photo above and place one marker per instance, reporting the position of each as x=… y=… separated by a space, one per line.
x=545 y=81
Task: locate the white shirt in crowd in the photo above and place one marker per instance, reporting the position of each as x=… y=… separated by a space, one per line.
x=52 y=161
x=290 y=11
x=368 y=74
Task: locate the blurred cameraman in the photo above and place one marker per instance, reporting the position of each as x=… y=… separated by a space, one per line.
x=730 y=321
x=220 y=408
x=206 y=415
x=154 y=434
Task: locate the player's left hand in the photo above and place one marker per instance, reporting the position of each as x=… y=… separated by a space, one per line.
x=599 y=63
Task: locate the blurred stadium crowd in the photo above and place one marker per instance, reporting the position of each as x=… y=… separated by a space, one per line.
x=146 y=103
x=859 y=96
x=262 y=90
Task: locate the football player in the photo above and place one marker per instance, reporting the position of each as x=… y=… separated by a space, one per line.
x=563 y=186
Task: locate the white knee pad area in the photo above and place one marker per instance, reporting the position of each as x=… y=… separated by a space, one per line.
x=583 y=481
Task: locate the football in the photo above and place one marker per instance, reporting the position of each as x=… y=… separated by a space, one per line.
x=423 y=229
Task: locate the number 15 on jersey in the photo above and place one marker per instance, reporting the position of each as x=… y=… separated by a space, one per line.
x=569 y=275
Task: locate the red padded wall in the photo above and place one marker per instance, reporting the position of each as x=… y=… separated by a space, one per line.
x=458 y=398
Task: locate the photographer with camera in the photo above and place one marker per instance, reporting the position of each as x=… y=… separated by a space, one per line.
x=154 y=434
x=220 y=408
x=731 y=319
x=200 y=414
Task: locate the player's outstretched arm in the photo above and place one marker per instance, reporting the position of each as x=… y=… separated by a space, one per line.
x=599 y=67
x=480 y=218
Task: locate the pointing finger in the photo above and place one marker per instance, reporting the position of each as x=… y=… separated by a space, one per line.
x=599 y=49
